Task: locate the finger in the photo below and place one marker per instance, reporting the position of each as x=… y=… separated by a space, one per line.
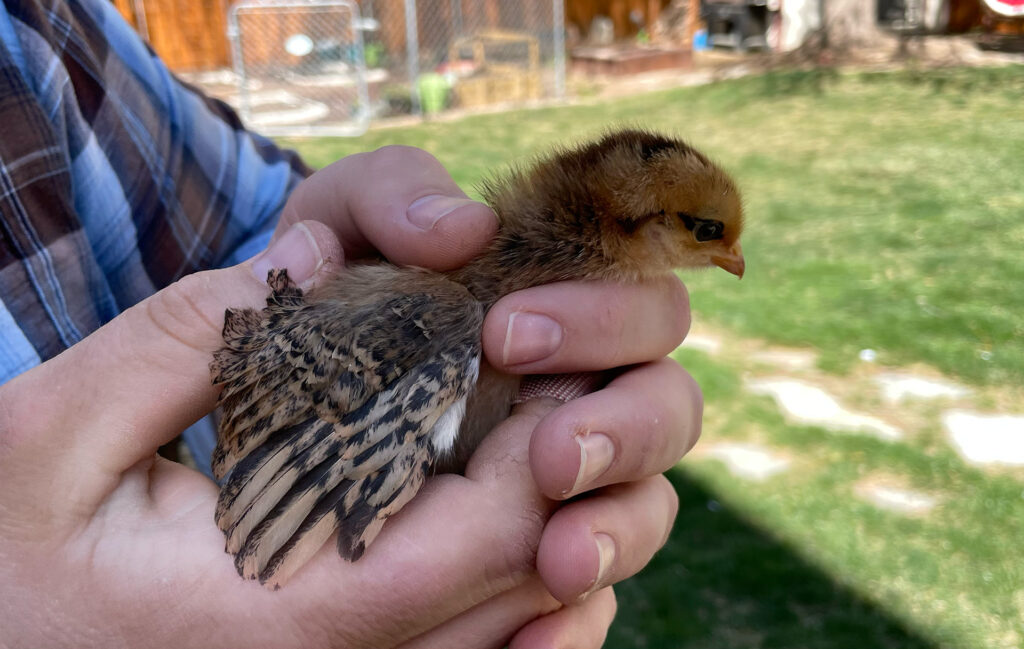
x=596 y=542
x=640 y=425
x=583 y=626
x=493 y=622
x=575 y=326
x=135 y=383
x=397 y=200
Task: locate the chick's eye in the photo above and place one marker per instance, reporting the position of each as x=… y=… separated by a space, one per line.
x=708 y=230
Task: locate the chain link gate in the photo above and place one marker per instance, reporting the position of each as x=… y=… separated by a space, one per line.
x=468 y=54
x=326 y=67
x=299 y=66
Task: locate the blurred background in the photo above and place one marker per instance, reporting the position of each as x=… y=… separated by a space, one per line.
x=860 y=482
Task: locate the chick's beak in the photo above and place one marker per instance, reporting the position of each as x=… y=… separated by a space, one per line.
x=732 y=261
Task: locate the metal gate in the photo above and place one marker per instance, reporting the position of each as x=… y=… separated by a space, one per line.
x=467 y=54
x=300 y=66
x=327 y=67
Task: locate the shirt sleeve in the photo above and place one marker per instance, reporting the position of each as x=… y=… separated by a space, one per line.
x=245 y=177
x=118 y=178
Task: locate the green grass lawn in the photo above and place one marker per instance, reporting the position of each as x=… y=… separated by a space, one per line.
x=885 y=211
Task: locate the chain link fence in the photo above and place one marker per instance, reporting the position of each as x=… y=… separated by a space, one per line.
x=327 y=67
x=299 y=66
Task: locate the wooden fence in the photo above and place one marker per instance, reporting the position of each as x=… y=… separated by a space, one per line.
x=192 y=34
x=187 y=34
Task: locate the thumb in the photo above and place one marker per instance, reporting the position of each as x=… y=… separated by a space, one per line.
x=398 y=201
x=138 y=381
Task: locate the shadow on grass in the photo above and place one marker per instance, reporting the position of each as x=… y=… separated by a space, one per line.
x=721 y=582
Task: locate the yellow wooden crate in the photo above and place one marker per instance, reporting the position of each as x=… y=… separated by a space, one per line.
x=497 y=87
x=495 y=83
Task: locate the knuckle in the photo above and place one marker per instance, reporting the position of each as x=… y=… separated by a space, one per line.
x=681 y=379
x=678 y=305
x=659 y=490
x=8 y=424
x=176 y=312
x=670 y=495
x=387 y=158
x=654 y=449
x=688 y=407
x=671 y=500
x=612 y=318
x=695 y=414
x=590 y=623
x=521 y=545
x=22 y=421
x=613 y=603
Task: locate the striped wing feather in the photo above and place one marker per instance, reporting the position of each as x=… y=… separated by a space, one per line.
x=335 y=406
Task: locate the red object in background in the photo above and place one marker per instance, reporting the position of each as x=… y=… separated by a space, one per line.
x=1013 y=8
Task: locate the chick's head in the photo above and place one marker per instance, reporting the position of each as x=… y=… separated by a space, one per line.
x=670 y=207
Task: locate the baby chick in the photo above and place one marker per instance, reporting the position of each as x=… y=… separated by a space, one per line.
x=338 y=403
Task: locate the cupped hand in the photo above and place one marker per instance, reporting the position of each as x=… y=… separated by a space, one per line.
x=104 y=544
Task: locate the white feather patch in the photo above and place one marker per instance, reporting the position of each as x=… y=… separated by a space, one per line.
x=447 y=427
x=446 y=430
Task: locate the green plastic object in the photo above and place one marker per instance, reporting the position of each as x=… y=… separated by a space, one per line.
x=433 y=93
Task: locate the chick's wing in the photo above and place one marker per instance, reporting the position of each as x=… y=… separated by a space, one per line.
x=334 y=406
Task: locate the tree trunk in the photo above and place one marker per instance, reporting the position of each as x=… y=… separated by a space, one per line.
x=850 y=24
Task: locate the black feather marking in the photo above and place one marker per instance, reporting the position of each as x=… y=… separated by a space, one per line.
x=327 y=505
x=653 y=145
x=632 y=224
x=390 y=416
x=418 y=399
x=357 y=552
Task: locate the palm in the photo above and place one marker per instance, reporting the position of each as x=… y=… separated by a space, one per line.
x=154 y=533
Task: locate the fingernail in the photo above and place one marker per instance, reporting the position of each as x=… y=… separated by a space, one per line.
x=295 y=250
x=425 y=212
x=596 y=454
x=605 y=557
x=530 y=337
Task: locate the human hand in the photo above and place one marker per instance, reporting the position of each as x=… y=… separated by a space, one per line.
x=120 y=545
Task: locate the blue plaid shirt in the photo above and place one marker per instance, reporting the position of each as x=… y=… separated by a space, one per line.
x=115 y=177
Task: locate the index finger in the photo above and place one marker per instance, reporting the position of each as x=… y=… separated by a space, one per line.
x=397 y=200
x=584 y=326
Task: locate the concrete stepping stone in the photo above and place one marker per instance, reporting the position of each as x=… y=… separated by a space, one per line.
x=749 y=461
x=807 y=404
x=895 y=499
x=986 y=438
x=789 y=359
x=702 y=343
x=897 y=386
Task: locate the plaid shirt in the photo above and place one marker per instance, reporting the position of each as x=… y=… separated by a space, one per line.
x=115 y=178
